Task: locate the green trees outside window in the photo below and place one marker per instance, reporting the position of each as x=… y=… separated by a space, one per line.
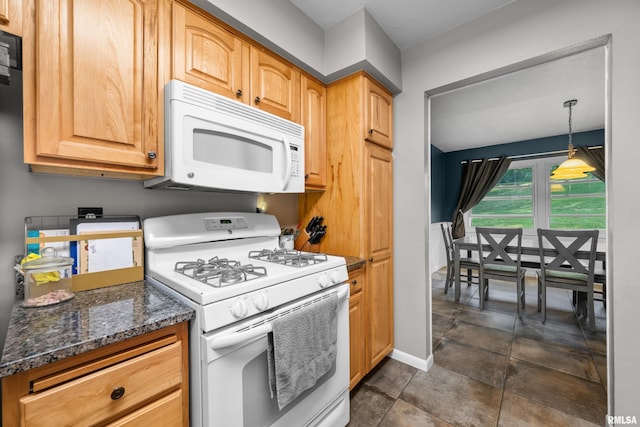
x=526 y=197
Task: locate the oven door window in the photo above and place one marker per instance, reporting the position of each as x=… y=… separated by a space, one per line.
x=231 y=151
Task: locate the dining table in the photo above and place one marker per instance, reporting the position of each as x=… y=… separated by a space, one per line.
x=530 y=256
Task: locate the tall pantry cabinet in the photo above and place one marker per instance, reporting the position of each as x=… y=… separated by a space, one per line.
x=357 y=203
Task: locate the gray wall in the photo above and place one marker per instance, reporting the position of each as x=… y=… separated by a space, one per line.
x=353 y=44
x=518 y=32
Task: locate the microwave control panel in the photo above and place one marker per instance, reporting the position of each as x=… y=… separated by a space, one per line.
x=295 y=161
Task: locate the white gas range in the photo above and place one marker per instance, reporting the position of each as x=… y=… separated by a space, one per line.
x=230 y=269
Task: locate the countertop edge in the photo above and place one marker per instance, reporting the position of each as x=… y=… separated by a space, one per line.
x=181 y=313
x=354 y=263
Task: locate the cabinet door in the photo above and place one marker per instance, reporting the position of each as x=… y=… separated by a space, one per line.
x=11 y=16
x=314 y=107
x=209 y=56
x=96 y=85
x=378 y=114
x=275 y=85
x=379 y=201
x=379 y=250
x=379 y=303
x=356 y=327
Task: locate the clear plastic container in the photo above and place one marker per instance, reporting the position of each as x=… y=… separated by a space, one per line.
x=47 y=280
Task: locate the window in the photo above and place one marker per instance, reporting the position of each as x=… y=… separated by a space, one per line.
x=526 y=197
x=577 y=203
x=509 y=203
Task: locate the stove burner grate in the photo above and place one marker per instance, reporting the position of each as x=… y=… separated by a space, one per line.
x=219 y=272
x=288 y=257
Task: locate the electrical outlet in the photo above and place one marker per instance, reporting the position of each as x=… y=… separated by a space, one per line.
x=90 y=212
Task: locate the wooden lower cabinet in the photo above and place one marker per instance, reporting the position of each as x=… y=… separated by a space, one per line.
x=379 y=314
x=356 y=327
x=140 y=381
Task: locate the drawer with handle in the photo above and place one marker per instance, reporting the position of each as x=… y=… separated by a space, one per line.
x=107 y=393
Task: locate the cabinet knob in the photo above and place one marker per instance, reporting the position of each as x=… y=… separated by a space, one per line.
x=117 y=393
x=152 y=155
x=354 y=282
x=306 y=176
x=239 y=93
x=371 y=259
x=257 y=99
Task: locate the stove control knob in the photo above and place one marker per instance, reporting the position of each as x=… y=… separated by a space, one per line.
x=335 y=277
x=323 y=280
x=261 y=302
x=239 y=308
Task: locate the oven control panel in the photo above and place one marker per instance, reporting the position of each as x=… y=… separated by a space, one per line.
x=231 y=223
x=231 y=310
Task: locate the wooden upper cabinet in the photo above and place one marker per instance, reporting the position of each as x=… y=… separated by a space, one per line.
x=378 y=114
x=11 y=16
x=208 y=56
x=314 y=120
x=275 y=85
x=96 y=89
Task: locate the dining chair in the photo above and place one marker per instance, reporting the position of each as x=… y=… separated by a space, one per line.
x=564 y=270
x=469 y=264
x=499 y=263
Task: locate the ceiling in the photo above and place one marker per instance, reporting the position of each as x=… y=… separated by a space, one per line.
x=519 y=106
x=406 y=22
x=523 y=105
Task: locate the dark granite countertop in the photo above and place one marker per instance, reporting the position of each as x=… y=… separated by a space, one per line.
x=94 y=318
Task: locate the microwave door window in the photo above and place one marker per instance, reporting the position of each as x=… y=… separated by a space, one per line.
x=232 y=151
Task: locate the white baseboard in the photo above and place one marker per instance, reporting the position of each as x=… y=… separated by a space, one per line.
x=416 y=362
x=438 y=268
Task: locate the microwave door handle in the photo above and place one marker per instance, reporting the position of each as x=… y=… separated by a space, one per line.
x=288 y=160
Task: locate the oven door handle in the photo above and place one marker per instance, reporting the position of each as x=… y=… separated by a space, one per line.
x=240 y=337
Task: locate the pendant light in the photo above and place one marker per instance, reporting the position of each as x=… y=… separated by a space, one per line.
x=571 y=168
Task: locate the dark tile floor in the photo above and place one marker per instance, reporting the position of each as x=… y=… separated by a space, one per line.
x=493 y=369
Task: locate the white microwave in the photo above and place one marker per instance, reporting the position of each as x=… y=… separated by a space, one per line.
x=219 y=144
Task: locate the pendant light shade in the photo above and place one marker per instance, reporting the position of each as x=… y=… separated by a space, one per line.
x=571 y=168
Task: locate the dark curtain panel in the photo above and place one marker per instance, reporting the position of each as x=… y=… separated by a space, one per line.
x=477 y=179
x=593 y=157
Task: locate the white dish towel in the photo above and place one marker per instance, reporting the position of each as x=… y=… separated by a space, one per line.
x=302 y=348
